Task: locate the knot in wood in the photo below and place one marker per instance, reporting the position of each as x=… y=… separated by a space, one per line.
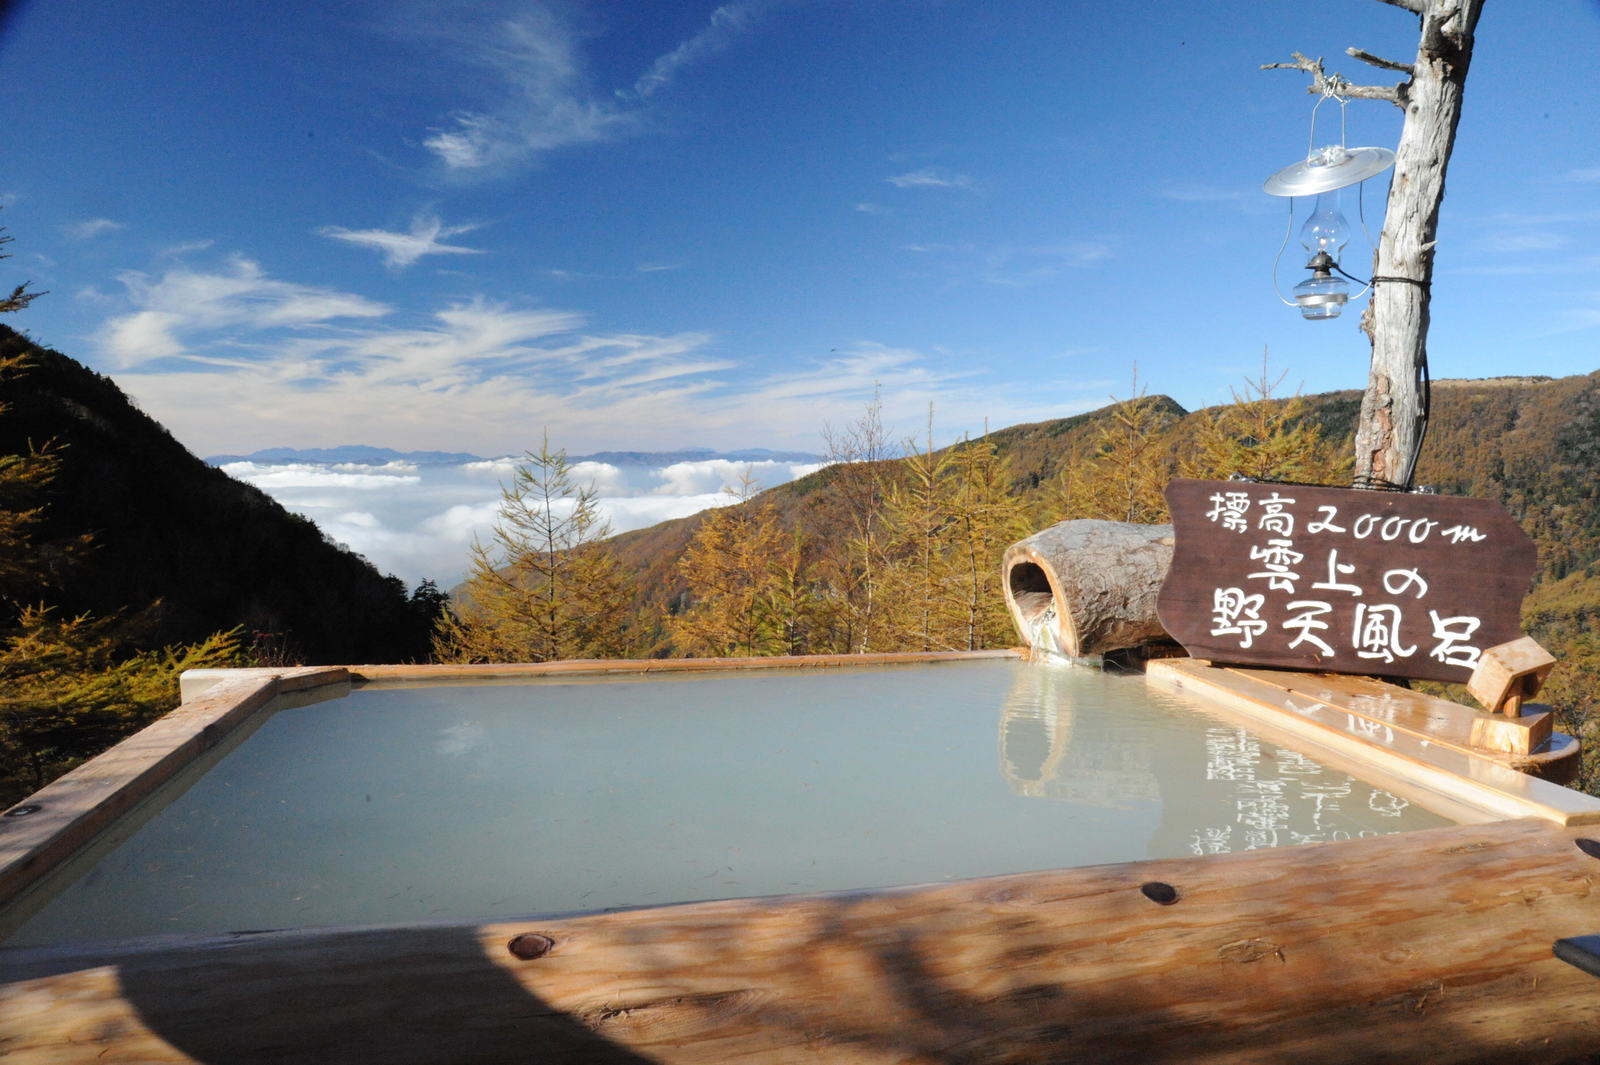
x=1156 y=891
x=530 y=945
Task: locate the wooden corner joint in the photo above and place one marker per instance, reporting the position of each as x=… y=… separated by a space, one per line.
x=1510 y=673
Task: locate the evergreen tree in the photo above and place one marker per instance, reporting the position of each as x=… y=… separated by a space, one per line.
x=20 y=296
x=546 y=588
x=27 y=566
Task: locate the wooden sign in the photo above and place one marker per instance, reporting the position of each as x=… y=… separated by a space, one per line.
x=1342 y=581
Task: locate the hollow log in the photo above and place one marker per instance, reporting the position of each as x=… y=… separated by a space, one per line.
x=1428 y=946
x=1086 y=587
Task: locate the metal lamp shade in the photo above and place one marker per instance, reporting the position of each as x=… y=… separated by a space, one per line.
x=1328 y=169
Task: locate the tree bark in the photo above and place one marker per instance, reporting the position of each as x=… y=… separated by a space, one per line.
x=1396 y=320
x=1086 y=587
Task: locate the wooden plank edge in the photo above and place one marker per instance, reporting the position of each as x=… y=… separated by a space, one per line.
x=1350 y=693
x=194 y=683
x=404 y=674
x=1481 y=782
x=54 y=822
x=67 y=814
x=1433 y=945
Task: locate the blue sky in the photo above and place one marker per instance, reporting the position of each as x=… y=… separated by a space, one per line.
x=652 y=225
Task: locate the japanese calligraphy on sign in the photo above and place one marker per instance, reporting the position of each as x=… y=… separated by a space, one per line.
x=1342 y=581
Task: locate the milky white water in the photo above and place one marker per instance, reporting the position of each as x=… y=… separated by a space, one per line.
x=431 y=803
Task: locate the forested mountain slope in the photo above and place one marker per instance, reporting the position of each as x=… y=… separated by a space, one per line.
x=164 y=526
x=1533 y=442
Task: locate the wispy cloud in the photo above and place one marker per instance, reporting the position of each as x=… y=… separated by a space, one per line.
x=541 y=95
x=1022 y=267
x=567 y=276
x=1248 y=199
x=657 y=268
x=178 y=251
x=932 y=178
x=1517 y=242
x=1554 y=218
x=935 y=249
x=183 y=303
x=1586 y=175
x=487 y=377
x=91 y=228
x=726 y=23
x=871 y=208
x=1201 y=194
x=401 y=250
x=1568 y=266
x=1016 y=266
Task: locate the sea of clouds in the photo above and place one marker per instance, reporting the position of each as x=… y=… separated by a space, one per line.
x=418 y=520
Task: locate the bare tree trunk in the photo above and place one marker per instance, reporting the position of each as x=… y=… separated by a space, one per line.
x=1396 y=319
x=1387 y=437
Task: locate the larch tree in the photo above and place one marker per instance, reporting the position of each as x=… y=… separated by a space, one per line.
x=1264 y=438
x=1124 y=477
x=546 y=587
x=20 y=297
x=851 y=568
x=801 y=614
x=989 y=517
x=918 y=536
x=731 y=569
x=23 y=477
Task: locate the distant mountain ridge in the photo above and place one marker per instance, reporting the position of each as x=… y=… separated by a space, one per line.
x=363 y=455
x=695 y=454
x=356 y=454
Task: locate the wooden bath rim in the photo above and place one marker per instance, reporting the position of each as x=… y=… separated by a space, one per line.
x=1431 y=945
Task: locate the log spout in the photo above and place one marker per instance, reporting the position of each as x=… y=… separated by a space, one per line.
x=1082 y=588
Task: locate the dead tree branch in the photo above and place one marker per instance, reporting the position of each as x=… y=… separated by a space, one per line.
x=1323 y=82
x=1378 y=61
x=1416 y=7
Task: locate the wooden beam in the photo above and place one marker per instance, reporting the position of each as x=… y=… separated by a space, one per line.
x=1510 y=672
x=1428 y=946
x=1425 y=716
x=450 y=673
x=1376 y=728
